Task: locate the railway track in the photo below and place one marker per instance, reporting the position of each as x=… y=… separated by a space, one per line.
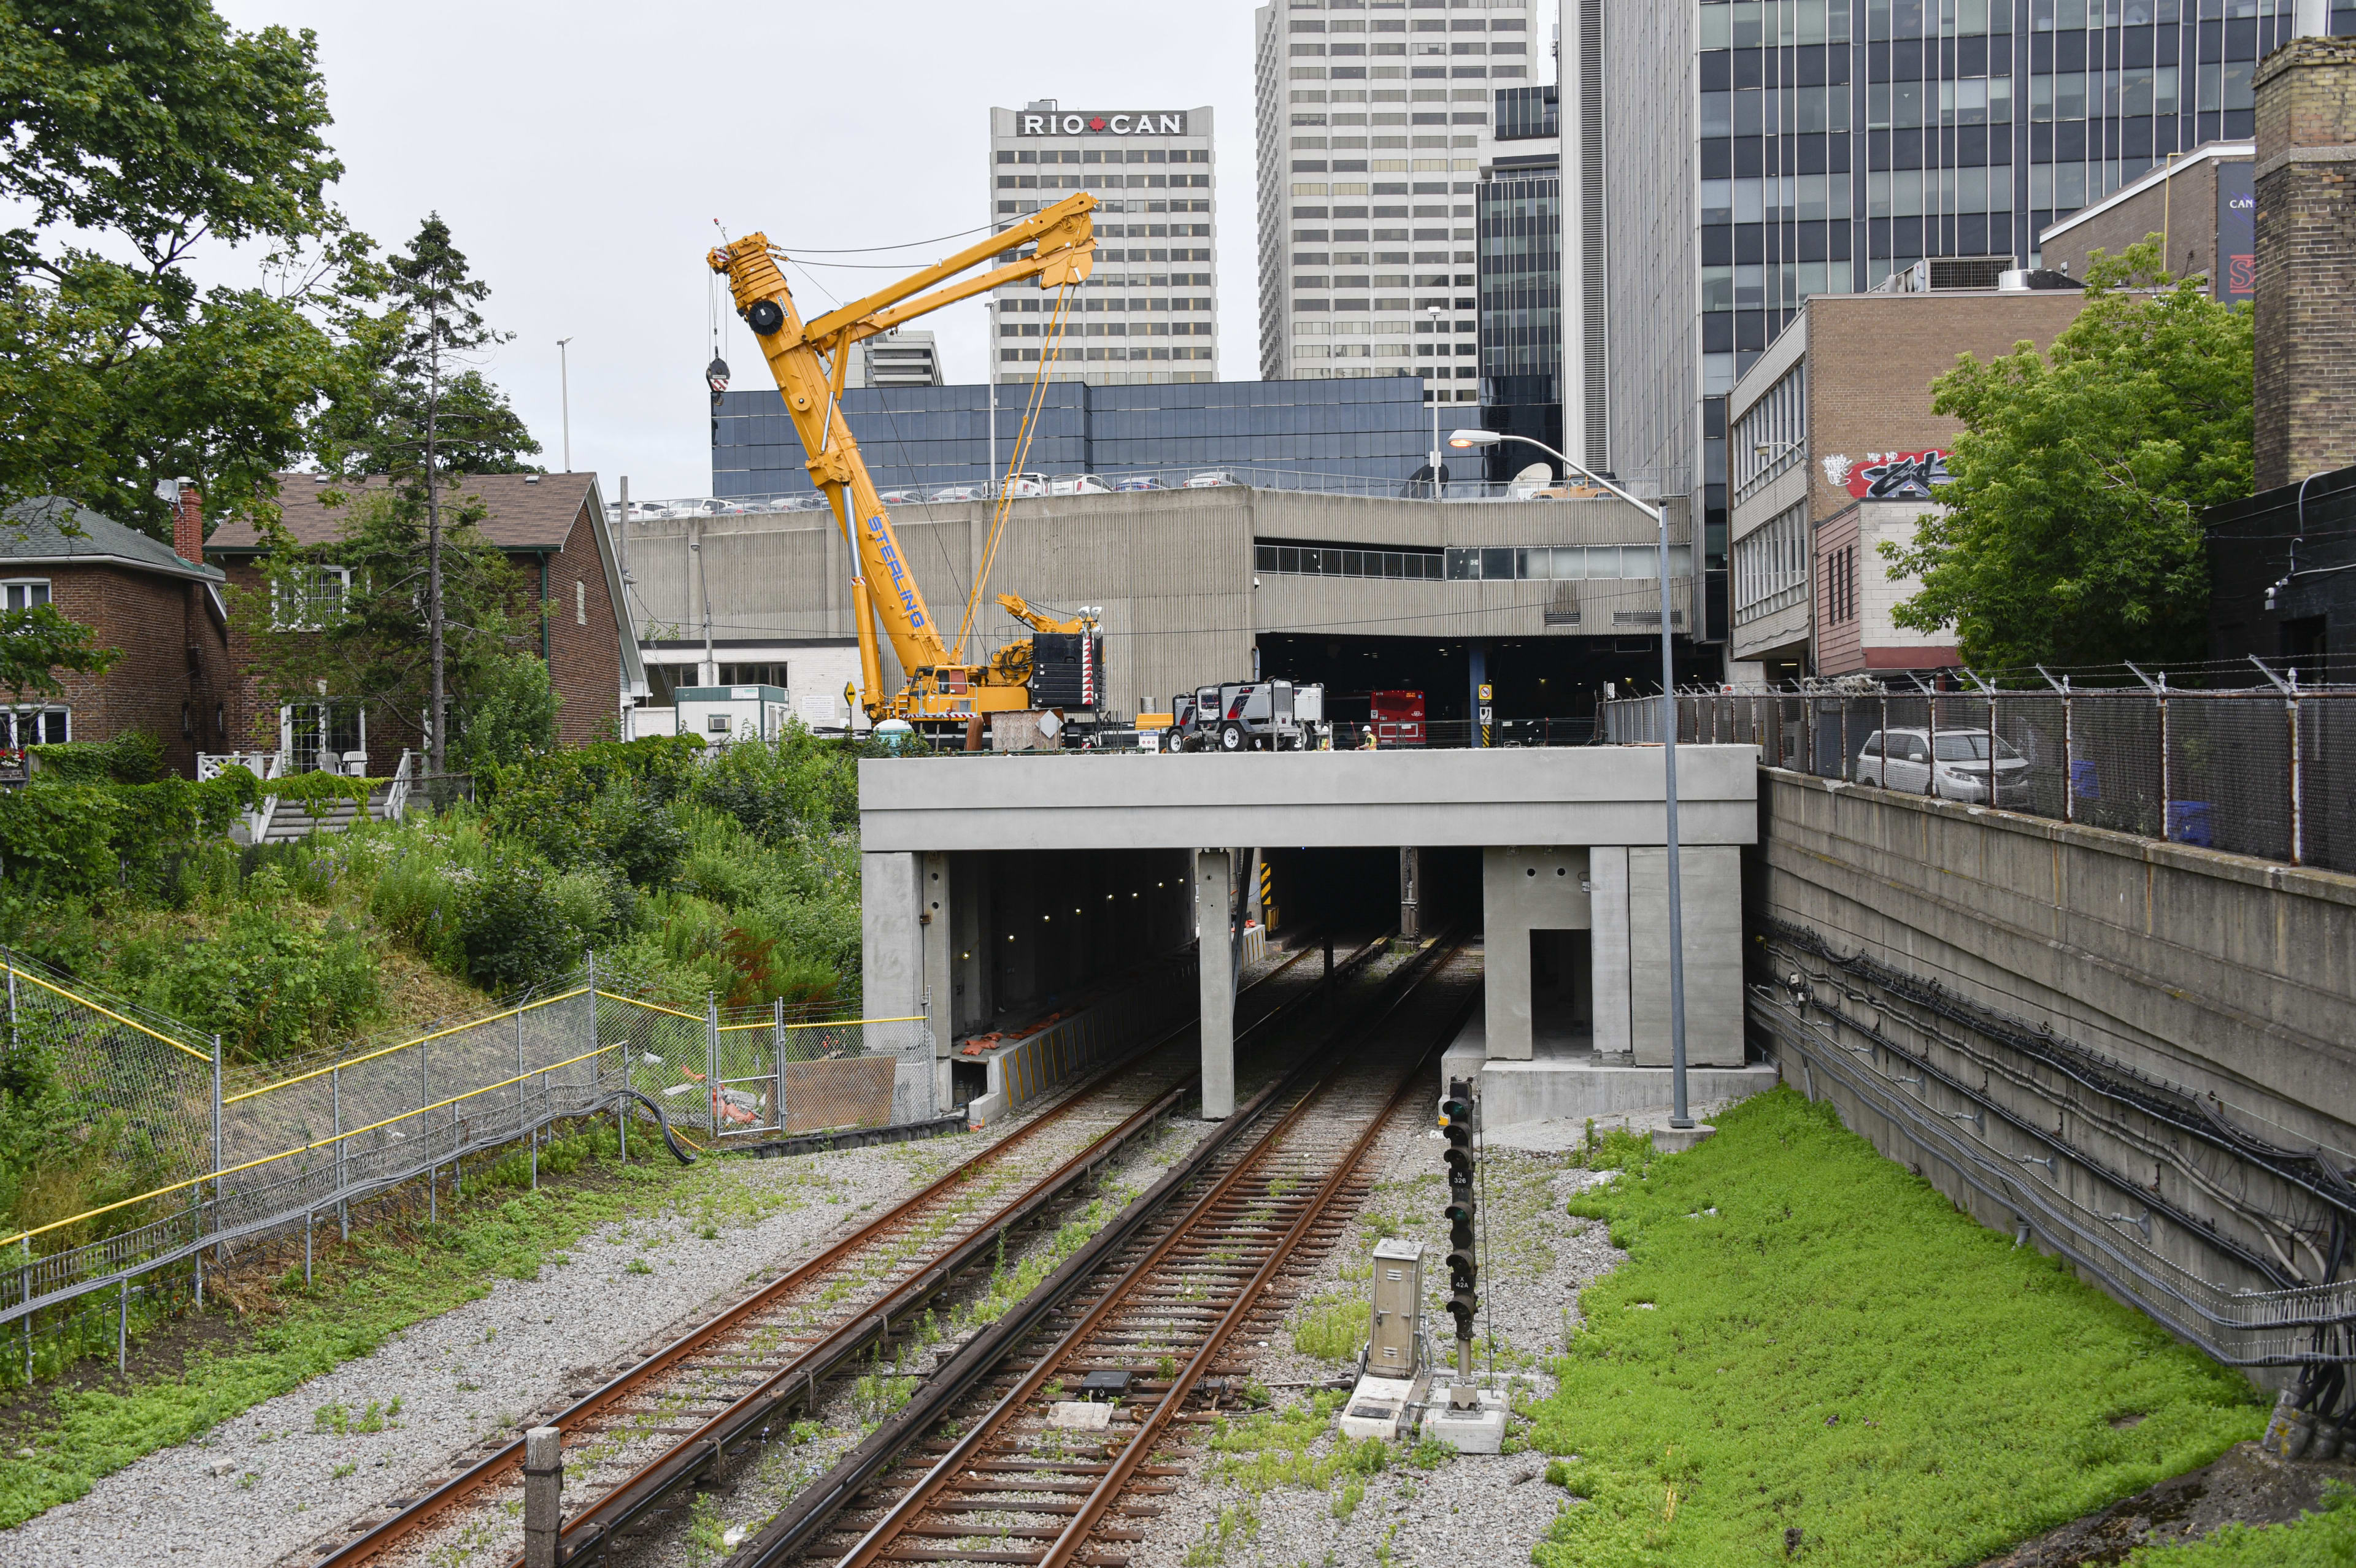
x=1074 y=1411
x=674 y=1416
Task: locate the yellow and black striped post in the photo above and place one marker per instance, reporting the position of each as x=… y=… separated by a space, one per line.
x=1267 y=896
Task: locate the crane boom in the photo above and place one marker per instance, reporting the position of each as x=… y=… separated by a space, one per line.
x=810 y=359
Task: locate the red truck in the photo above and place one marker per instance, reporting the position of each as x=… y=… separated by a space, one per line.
x=1396 y=717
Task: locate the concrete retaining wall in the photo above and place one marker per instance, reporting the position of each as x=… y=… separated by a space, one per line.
x=2132 y=1052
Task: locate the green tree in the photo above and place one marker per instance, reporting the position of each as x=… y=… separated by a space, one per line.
x=2072 y=532
x=35 y=644
x=135 y=132
x=424 y=415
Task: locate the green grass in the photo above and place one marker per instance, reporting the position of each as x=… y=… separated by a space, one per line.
x=387 y=1280
x=1838 y=1349
x=2325 y=1538
x=1332 y=1328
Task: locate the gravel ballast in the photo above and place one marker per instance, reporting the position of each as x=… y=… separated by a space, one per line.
x=1462 y=1508
x=269 y=1481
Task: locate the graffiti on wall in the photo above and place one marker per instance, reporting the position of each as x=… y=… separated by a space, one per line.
x=1888 y=476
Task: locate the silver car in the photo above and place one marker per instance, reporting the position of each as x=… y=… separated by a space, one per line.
x=1952 y=765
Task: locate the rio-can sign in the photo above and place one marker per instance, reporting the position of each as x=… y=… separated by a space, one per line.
x=1153 y=123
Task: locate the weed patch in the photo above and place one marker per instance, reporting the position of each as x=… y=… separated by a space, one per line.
x=1832 y=1348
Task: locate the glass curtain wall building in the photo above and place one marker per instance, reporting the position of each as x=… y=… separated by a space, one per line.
x=1792 y=147
x=921 y=439
x=1374 y=118
x=1519 y=216
x=1149 y=313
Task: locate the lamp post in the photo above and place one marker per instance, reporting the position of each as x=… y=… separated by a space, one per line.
x=1680 y=1116
x=1432 y=393
x=564 y=391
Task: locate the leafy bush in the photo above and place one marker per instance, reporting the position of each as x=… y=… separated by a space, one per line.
x=133 y=757
x=512 y=933
x=511 y=715
x=797 y=781
x=59 y=838
x=269 y=984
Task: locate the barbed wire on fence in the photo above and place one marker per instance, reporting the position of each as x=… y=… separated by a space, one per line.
x=2268 y=772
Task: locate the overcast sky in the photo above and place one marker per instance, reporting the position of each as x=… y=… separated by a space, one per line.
x=580 y=151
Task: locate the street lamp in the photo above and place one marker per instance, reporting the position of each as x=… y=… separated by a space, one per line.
x=1679 y=1115
x=564 y=387
x=1433 y=394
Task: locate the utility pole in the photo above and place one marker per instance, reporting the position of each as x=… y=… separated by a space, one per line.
x=564 y=391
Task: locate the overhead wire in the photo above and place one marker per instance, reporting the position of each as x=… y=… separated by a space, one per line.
x=1052 y=343
x=907 y=458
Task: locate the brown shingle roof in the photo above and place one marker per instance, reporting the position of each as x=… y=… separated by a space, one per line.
x=524 y=512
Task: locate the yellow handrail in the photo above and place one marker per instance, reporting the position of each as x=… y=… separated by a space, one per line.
x=404 y=1045
x=830 y=1023
x=304 y=1148
x=118 y=1018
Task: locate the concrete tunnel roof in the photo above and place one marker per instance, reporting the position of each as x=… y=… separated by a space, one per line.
x=1522 y=796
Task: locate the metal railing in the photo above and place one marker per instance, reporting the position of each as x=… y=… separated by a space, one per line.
x=2268 y=772
x=238 y=1155
x=1205 y=476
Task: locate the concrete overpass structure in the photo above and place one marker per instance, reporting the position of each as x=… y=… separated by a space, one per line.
x=1148 y=850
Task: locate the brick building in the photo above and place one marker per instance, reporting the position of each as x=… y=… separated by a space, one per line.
x=2199 y=205
x=1835 y=452
x=2305 y=181
x=2281 y=564
x=551 y=526
x=161 y=607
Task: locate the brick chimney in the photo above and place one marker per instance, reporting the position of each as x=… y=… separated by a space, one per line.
x=2306 y=175
x=189 y=524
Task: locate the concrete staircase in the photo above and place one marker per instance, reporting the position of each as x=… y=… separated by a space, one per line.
x=294 y=820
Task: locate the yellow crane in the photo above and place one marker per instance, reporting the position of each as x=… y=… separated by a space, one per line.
x=810 y=359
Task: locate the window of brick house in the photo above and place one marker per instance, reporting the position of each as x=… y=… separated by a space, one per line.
x=187 y=721
x=22 y=727
x=26 y=592
x=308 y=597
x=580 y=602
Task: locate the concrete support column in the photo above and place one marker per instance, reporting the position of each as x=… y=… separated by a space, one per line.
x=1477 y=676
x=969 y=934
x=1607 y=874
x=1214 y=873
x=938 y=942
x=892 y=959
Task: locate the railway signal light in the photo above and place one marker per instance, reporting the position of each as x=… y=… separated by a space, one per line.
x=1463 y=1263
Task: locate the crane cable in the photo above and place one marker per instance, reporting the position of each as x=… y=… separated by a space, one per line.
x=1033 y=405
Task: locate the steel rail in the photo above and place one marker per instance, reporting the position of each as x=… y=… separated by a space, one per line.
x=1151 y=1431
x=416 y=1514
x=594 y=1527
x=809 y=1515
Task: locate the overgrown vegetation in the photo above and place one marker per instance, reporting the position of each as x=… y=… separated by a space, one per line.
x=735 y=876
x=1807 y=1339
x=395 y=1272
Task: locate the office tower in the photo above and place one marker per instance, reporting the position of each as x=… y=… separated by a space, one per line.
x=1149 y=314
x=1756 y=153
x=900 y=358
x=1374 y=118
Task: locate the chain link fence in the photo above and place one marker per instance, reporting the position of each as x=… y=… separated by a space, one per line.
x=2269 y=772
x=212 y=1162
